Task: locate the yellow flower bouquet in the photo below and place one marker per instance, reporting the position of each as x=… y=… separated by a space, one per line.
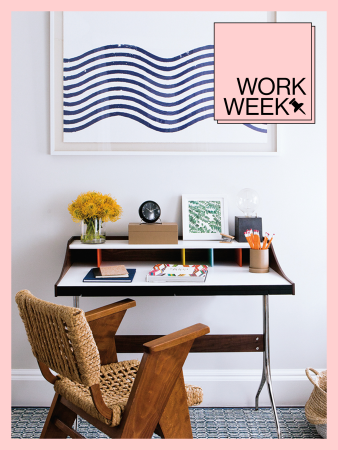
x=92 y=209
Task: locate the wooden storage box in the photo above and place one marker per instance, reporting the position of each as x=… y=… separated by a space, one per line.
x=153 y=233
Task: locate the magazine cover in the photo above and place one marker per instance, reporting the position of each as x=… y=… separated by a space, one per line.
x=211 y=128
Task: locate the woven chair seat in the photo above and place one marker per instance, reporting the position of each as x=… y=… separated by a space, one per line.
x=116 y=382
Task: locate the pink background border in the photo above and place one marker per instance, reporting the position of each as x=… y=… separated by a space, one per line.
x=175 y=5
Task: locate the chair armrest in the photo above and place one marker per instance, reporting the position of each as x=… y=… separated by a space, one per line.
x=177 y=338
x=104 y=322
x=107 y=310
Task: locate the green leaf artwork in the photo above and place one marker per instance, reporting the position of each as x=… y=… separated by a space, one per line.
x=205 y=216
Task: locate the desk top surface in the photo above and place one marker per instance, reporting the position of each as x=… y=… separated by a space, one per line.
x=224 y=279
x=229 y=274
x=123 y=244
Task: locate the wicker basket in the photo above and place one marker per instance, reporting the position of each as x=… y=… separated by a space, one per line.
x=316 y=406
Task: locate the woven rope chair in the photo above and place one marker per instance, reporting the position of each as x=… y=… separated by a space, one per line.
x=128 y=399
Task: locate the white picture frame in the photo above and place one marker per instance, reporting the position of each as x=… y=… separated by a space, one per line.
x=195 y=208
x=60 y=148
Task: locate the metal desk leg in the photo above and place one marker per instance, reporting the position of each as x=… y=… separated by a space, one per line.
x=76 y=423
x=260 y=386
x=76 y=301
x=266 y=374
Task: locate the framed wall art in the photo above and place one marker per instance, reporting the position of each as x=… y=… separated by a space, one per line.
x=204 y=217
x=142 y=82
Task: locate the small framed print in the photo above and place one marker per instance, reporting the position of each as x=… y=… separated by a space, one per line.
x=204 y=216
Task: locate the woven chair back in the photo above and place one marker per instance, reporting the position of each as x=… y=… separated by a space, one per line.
x=61 y=338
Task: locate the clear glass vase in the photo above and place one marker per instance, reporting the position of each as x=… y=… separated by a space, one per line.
x=92 y=231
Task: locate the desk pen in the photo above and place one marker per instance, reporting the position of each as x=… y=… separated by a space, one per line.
x=270 y=241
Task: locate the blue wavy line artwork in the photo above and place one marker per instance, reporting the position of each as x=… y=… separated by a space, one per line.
x=166 y=95
x=135 y=92
x=144 y=122
x=141 y=85
x=134 y=100
x=138 y=66
x=260 y=128
x=137 y=75
x=140 y=111
x=140 y=50
x=139 y=58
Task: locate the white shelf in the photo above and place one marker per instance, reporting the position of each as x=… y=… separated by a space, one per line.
x=123 y=244
x=223 y=274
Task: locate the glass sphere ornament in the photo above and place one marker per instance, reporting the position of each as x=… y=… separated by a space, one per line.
x=248 y=202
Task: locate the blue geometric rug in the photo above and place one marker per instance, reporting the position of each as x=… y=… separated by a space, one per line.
x=206 y=423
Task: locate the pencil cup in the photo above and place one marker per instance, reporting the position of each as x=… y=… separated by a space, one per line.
x=259 y=261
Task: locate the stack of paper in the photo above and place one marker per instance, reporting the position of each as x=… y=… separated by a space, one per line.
x=111 y=271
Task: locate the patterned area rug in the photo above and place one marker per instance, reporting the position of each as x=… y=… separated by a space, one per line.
x=206 y=423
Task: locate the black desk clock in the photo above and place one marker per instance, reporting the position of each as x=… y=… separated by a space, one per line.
x=149 y=211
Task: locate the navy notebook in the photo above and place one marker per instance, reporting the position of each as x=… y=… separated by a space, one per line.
x=91 y=277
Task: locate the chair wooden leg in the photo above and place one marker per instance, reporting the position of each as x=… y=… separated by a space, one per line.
x=175 y=420
x=62 y=413
x=153 y=386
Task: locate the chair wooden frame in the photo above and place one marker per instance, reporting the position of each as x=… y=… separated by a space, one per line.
x=158 y=399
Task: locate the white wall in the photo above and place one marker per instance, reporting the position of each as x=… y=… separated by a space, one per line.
x=292 y=187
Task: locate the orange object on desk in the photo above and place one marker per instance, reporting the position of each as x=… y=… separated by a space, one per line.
x=99 y=257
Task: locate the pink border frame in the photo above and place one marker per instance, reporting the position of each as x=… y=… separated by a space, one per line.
x=287 y=5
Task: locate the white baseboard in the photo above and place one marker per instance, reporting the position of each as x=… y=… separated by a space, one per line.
x=222 y=388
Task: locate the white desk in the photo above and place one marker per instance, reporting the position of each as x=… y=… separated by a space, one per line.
x=229 y=275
